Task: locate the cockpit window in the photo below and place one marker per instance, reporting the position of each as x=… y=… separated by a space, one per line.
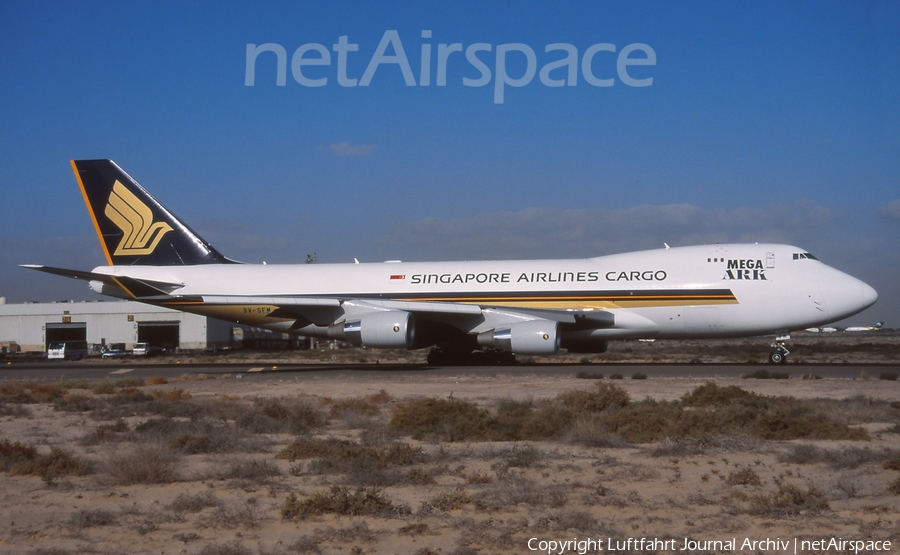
x=802 y=255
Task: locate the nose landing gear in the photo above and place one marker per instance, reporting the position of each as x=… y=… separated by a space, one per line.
x=779 y=351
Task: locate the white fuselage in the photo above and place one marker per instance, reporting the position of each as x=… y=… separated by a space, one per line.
x=683 y=292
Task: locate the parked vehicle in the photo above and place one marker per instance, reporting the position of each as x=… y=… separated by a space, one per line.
x=113 y=353
x=67 y=350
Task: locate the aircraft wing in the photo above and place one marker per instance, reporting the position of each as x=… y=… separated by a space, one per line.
x=324 y=311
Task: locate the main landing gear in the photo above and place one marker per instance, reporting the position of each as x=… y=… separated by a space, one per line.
x=779 y=351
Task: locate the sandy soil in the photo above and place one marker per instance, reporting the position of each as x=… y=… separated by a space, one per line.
x=463 y=497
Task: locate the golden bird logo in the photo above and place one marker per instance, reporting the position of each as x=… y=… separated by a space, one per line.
x=140 y=235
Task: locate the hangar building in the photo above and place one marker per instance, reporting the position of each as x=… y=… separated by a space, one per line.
x=33 y=326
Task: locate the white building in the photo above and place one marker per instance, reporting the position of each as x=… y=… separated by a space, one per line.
x=32 y=326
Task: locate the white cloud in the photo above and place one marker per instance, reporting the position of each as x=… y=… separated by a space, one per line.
x=538 y=232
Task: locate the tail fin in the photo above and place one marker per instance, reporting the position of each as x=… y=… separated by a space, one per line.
x=134 y=228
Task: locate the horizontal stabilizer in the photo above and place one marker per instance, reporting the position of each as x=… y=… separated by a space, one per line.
x=131 y=287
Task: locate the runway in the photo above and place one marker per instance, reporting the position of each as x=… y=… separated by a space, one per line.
x=95 y=370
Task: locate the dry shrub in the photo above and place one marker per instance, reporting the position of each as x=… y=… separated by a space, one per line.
x=29 y=392
x=858 y=409
x=203 y=435
x=511 y=488
x=448 y=419
x=107 y=433
x=66 y=385
x=457 y=420
x=419 y=477
x=143 y=464
x=550 y=420
x=157 y=380
x=76 y=402
x=252 y=470
x=789 y=419
x=644 y=422
x=357 y=531
x=520 y=456
x=176 y=394
x=245 y=514
x=710 y=394
x=283 y=415
x=340 y=455
x=848 y=457
x=452 y=500
x=567 y=520
x=605 y=416
x=14 y=410
x=234 y=547
x=788 y=500
x=743 y=477
x=894 y=487
x=306 y=544
x=194 y=503
x=14 y=454
x=357 y=405
x=107 y=387
x=589 y=430
x=88 y=518
x=341 y=501
x=129 y=401
x=726 y=411
x=367 y=465
x=684 y=447
x=381 y=397
x=605 y=396
x=478 y=478
x=57 y=463
x=304 y=448
x=891 y=464
x=414 y=529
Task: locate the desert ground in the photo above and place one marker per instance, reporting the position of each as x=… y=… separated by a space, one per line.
x=454 y=464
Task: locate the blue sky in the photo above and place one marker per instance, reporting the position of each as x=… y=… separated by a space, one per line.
x=765 y=121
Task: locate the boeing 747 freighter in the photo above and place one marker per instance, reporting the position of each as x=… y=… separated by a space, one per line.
x=526 y=307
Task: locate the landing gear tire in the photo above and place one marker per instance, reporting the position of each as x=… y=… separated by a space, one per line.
x=779 y=351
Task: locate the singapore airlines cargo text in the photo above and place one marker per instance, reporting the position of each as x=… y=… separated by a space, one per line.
x=556 y=71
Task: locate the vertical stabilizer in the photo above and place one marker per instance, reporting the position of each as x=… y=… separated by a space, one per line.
x=134 y=228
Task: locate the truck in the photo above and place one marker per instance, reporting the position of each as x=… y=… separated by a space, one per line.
x=67 y=350
x=143 y=349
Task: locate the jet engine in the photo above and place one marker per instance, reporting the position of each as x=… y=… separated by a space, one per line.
x=534 y=337
x=390 y=329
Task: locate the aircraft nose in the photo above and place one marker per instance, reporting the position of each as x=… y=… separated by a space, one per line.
x=869 y=295
x=846 y=295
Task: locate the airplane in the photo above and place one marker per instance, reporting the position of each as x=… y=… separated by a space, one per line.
x=466 y=311
x=876 y=327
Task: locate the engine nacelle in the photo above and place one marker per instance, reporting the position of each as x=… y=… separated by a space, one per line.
x=390 y=329
x=534 y=337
